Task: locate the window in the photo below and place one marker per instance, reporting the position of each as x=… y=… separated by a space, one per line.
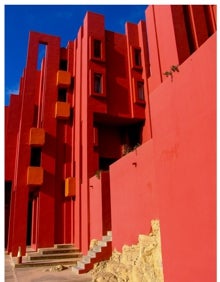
x=63 y=65
x=62 y=94
x=140 y=90
x=137 y=57
x=97 y=48
x=35 y=156
x=98 y=83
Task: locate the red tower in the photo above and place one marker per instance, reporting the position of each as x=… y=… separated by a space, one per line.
x=115 y=130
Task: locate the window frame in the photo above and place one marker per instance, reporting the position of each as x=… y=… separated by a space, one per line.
x=137 y=97
x=92 y=41
x=101 y=72
x=134 y=51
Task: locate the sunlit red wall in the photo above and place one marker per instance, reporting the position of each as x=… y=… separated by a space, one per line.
x=173 y=176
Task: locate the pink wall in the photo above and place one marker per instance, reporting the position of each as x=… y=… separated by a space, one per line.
x=175 y=176
x=133 y=199
x=95 y=196
x=99 y=208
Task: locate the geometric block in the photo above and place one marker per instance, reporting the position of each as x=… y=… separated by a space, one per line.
x=37 y=137
x=35 y=175
x=70 y=187
x=63 y=79
x=62 y=110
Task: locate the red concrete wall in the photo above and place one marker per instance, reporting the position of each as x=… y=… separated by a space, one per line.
x=184 y=130
x=170 y=177
x=99 y=208
x=95 y=196
x=11 y=131
x=181 y=168
x=117 y=77
x=133 y=201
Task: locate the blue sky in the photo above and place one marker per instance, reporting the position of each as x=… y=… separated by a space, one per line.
x=59 y=20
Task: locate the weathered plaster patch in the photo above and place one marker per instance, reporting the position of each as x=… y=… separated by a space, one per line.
x=136 y=263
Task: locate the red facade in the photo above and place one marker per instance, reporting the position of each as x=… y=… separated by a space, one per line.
x=115 y=130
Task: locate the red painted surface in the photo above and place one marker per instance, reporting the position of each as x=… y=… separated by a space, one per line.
x=170 y=176
x=177 y=182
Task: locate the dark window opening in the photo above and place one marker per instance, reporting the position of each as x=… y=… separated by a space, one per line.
x=137 y=57
x=29 y=223
x=62 y=94
x=72 y=83
x=35 y=118
x=104 y=163
x=189 y=30
x=97 y=48
x=140 y=90
x=35 y=159
x=63 y=65
x=131 y=137
x=8 y=186
x=41 y=54
x=98 y=83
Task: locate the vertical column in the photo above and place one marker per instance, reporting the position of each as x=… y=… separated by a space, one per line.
x=154 y=57
x=198 y=22
x=18 y=238
x=147 y=132
x=46 y=211
x=77 y=139
x=166 y=38
x=180 y=33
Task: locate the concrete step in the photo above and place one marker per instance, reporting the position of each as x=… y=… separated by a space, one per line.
x=99 y=252
x=102 y=243
x=57 y=250
x=107 y=238
x=65 y=246
x=109 y=233
x=37 y=256
x=66 y=254
x=39 y=263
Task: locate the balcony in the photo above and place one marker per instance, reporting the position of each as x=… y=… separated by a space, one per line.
x=63 y=79
x=62 y=110
x=37 y=137
x=35 y=175
x=70 y=187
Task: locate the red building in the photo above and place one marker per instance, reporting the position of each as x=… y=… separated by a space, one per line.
x=115 y=130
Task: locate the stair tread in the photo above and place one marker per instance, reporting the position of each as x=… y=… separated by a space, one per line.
x=38 y=258
x=58 y=249
x=46 y=262
x=54 y=255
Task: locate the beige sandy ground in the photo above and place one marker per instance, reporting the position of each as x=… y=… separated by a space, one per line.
x=137 y=263
x=36 y=274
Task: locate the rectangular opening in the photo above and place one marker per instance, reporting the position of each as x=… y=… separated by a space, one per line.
x=62 y=94
x=8 y=187
x=63 y=65
x=41 y=54
x=137 y=57
x=35 y=159
x=98 y=83
x=140 y=90
x=97 y=48
x=104 y=163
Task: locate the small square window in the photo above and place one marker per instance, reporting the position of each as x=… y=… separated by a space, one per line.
x=97 y=48
x=98 y=83
x=140 y=90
